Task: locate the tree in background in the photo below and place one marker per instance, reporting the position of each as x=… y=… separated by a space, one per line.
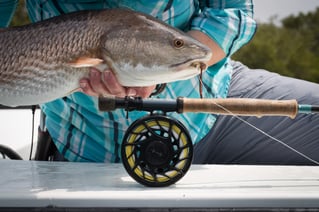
x=291 y=49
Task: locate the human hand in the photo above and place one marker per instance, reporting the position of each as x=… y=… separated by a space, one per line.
x=105 y=83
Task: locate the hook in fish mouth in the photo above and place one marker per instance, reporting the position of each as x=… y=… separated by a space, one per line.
x=199 y=65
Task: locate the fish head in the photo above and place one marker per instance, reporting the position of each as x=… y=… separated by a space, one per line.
x=143 y=51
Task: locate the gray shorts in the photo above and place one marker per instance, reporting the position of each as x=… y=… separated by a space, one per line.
x=233 y=141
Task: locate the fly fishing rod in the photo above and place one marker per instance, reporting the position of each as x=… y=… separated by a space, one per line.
x=229 y=106
x=157 y=150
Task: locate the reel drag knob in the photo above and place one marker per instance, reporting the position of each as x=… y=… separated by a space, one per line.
x=157 y=151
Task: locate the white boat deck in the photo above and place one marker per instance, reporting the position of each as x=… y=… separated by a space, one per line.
x=62 y=185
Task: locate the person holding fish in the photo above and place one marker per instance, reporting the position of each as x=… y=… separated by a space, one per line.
x=81 y=132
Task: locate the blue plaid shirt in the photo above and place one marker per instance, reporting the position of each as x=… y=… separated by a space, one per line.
x=82 y=133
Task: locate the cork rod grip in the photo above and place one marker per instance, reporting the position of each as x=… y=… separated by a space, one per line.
x=241 y=107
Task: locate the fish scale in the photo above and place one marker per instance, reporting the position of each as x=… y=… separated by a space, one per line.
x=39 y=73
x=44 y=61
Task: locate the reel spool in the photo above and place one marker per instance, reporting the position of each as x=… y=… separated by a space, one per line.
x=157 y=151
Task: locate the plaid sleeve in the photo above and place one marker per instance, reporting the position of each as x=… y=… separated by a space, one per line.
x=7 y=8
x=229 y=22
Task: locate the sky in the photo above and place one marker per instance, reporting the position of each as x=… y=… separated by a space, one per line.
x=15 y=125
x=265 y=9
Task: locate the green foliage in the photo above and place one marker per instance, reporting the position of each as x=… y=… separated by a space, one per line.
x=291 y=49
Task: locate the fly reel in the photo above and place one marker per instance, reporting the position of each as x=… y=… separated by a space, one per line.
x=157 y=150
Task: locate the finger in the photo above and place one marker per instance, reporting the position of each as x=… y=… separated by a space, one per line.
x=131 y=91
x=143 y=92
x=96 y=82
x=86 y=87
x=112 y=85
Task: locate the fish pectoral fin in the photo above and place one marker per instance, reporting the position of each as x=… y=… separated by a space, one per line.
x=82 y=62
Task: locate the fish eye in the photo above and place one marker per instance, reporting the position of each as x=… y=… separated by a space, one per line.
x=178 y=43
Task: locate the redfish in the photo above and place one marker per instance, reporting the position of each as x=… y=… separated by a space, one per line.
x=43 y=61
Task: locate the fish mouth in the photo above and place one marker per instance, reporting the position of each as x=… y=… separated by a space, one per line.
x=199 y=65
x=191 y=63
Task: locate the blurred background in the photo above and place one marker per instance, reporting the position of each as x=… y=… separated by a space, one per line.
x=286 y=42
x=287 y=39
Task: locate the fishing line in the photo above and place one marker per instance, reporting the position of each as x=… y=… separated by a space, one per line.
x=33 y=108
x=267 y=135
x=200 y=83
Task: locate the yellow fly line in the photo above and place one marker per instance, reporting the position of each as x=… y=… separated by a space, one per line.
x=131 y=158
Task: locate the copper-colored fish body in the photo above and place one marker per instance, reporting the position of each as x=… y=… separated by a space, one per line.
x=44 y=61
